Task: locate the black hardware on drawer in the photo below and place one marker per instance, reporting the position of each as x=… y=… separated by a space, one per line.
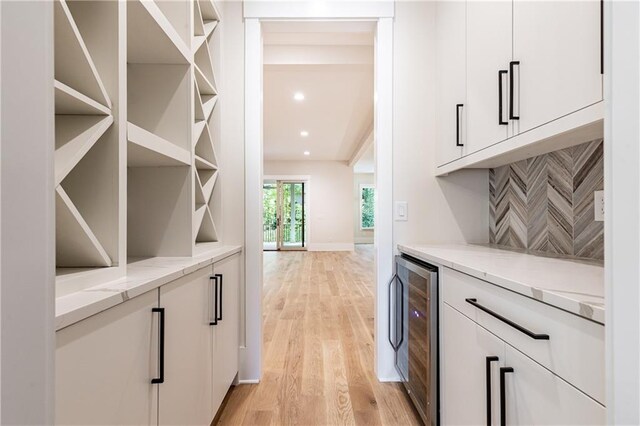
x=518 y=327
x=500 y=114
x=219 y=311
x=160 y=348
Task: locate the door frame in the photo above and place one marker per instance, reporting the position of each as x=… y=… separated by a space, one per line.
x=382 y=13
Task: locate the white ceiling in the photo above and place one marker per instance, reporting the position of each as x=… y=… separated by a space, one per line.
x=332 y=64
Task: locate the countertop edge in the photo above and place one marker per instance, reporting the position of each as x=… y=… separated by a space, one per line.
x=75 y=307
x=587 y=311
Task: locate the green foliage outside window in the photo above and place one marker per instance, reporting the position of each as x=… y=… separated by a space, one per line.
x=367 y=199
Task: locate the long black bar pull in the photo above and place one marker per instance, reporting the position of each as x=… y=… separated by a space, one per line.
x=512 y=64
x=219 y=311
x=489 y=360
x=161 y=347
x=503 y=396
x=214 y=321
x=458 y=107
x=536 y=336
x=500 y=113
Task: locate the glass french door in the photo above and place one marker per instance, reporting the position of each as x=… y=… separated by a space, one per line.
x=284 y=216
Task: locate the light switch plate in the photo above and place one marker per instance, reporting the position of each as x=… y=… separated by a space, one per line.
x=598 y=205
x=400 y=211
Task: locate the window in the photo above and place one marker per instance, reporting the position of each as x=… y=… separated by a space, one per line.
x=367 y=206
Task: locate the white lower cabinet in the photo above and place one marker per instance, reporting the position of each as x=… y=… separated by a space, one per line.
x=473 y=364
x=536 y=396
x=105 y=364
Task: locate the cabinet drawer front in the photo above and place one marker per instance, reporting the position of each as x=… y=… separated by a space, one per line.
x=574 y=350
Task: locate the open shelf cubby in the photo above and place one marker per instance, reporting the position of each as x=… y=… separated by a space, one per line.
x=87 y=138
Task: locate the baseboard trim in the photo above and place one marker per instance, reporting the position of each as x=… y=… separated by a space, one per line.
x=249 y=382
x=363 y=240
x=331 y=247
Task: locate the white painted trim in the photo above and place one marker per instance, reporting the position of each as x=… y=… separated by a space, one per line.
x=364 y=240
x=362 y=148
x=310 y=9
x=622 y=215
x=248 y=382
x=330 y=247
x=251 y=354
x=383 y=154
x=305 y=178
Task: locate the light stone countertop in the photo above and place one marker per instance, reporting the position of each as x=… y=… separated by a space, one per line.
x=143 y=275
x=571 y=285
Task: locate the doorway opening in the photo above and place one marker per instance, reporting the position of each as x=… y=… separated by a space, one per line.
x=284 y=212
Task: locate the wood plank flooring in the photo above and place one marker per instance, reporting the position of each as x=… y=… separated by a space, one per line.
x=318 y=347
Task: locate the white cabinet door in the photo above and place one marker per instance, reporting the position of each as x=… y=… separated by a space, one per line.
x=225 y=359
x=464 y=378
x=451 y=24
x=489 y=50
x=104 y=366
x=186 y=396
x=535 y=396
x=558 y=46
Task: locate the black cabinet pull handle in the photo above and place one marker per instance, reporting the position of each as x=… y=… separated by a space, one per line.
x=518 y=327
x=219 y=311
x=500 y=113
x=394 y=345
x=160 y=348
x=503 y=397
x=489 y=360
x=214 y=321
x=458 y=107
x=512 y=64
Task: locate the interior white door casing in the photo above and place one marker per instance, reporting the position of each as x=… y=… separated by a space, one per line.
x=186 y=396
x=558 y=46
x=254 y=11
x=489 y=50
x=451 y=29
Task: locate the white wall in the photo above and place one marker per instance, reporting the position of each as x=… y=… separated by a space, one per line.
x=449 y=209
x=361 y=236
x=329 y=201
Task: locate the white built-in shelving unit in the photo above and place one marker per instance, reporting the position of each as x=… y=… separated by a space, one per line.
x=137 y=131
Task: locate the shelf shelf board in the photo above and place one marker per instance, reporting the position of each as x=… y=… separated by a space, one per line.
x=151 y=38
x=76 y=244
x=205 y=86
x=71 y=102
x=75 y=135
x=209 y=10
x=203 y=164
x=209 y=27
x=73 y=64
x=146 y=149
x=198 y=128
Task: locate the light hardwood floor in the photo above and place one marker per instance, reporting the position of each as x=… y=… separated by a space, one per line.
x=318 y=347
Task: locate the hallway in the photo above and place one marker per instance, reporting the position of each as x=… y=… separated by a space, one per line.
x=318 y=347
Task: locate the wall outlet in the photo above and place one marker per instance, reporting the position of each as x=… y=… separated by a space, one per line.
x=598 y=205
x=400 y=213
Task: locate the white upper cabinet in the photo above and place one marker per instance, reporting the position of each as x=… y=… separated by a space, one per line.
x=557 y=45
x=489 y=49
x=451 y=91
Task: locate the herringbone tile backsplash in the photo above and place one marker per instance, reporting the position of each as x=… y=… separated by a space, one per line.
x=546 y=203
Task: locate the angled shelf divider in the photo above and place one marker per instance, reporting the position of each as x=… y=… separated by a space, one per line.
x=207 y=231
x=73 y=64
x=146 y=149
x=209 y=10
x=198 y=22
x=71 y=102
x=151 y=38
x=76 y=244
x=75 y=136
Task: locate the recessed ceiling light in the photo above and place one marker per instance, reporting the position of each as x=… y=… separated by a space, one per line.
x=304 y=133
x=307 y=153
x=298 y=96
